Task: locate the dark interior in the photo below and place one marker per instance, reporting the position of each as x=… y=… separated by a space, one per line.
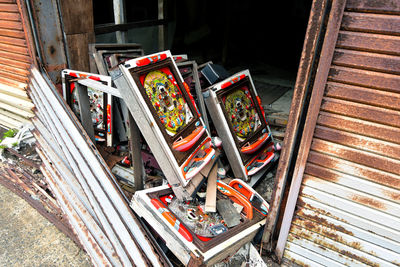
x=236 y=34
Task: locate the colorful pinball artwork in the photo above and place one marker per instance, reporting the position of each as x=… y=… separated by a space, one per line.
x=166 y=98
x=96 y=100
x=100 y=103
x=242 y=112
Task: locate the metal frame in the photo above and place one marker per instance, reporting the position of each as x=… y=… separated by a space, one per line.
x=84 y=102
x=179 y=246
x=334 y=22
x=288 y=155
x=195 y=75
x=228 y=140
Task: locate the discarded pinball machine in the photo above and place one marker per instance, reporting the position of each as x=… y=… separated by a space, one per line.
x=166 y=114
x=164 y=110
x=103 y=57
x=100 y=102
x=192 y=234
x=241 y=124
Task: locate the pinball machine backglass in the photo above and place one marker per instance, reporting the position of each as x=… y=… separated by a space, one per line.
x=167 y=116
x=240 y=122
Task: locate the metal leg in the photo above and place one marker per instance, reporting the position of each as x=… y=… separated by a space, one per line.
x=136 y=154
x=84 y=107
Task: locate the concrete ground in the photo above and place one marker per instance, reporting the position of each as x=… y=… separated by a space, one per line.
x=28 y=239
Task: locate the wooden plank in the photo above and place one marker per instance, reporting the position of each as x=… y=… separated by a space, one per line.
x=366 y=128
x=361 y=111
x=12 y=33
x=8 y=24
x=372 y=79
x=304 y=74
x=10 y=16
x=12 y=41
x=358 y=141
x=72 y=12
x=354 y=155
x=327 y=51
x=7 y=7
x=379 y=43
x=367 y=60
x=79 y=50
x=7 y=1
x=211 y=196
x=14 y=49
x=385 y=6
x=363 y=95
x=374 y=23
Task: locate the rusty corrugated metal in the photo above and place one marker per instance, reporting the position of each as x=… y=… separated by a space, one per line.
x=307 y=68
x=348 y=209
x=15 y=59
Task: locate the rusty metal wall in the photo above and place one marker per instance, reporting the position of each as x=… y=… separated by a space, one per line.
x=15 y=59
x=348 y=209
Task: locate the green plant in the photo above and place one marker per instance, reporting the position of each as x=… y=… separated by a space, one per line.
x=10 y=133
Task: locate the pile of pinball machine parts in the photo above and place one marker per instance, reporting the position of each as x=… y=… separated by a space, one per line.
x=204 y=206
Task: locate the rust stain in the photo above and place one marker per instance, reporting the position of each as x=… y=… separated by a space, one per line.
x=297 y=261
x=392 y=195
x=368 y=202
x=321 y=211
x=323 y=221
x=327 y=245
x=359 y=258
x=326 y=231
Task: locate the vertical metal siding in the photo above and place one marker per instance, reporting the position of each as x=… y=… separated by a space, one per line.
x=348 y=210
x=15 y=59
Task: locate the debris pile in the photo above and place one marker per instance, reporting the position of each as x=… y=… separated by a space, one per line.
x=155 y=151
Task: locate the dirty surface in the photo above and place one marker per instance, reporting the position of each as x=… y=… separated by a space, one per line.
x=28 y=239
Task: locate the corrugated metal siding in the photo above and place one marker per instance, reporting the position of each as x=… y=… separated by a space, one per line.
x=15 y=105
x=348 y=210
